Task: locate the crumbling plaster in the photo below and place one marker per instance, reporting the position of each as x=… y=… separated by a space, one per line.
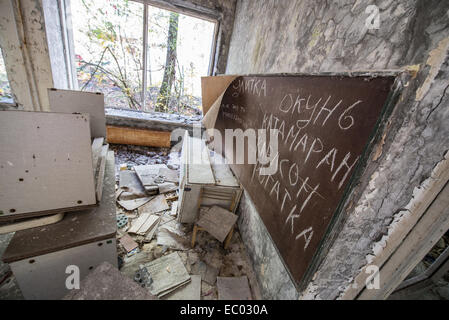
x=322 y=36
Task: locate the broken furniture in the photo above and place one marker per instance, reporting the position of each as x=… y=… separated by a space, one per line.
x=216 y=221
x=39 y=257
x=51 y=172
x=204 y=181
x=106 y=282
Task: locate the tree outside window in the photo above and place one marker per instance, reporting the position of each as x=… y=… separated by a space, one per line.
x=109 y=46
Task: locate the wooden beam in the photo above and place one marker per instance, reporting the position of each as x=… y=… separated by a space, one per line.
x=138 y=137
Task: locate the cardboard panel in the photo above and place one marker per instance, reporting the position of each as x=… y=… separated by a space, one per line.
x=45 y=163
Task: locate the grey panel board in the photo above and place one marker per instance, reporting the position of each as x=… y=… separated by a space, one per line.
x=75 y=229
x=70 y=101
x=45 y=163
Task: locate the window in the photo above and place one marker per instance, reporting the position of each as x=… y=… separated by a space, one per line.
x=116 y=40
x=5 y=90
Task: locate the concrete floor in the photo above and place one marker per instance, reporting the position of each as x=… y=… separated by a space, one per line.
x=9 y=289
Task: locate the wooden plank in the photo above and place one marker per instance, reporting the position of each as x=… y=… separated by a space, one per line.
x=128 y=243
x=420 y=202
x=137 y=223
x=76 y=229
x=138 y=137
x=134 y=204
x=97 y=145
x=421 y=239
x=152 y=231
x=70 y=101
x=151 y=221
x=45 y=163
x=222 y=172
x=218 y=222
x=191 y=291
x=326 y=124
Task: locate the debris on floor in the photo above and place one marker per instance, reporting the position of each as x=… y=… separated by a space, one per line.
x=191 y=291
x=160 y=256
x=233 y=288
x=217 y=221
x=168 y=274
x=106 y=283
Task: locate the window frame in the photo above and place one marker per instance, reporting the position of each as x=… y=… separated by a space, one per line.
x=177 y=6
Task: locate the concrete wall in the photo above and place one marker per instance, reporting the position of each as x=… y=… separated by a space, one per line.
x=275 y=36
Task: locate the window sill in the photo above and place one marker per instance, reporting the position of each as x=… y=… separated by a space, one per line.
x=153 y=121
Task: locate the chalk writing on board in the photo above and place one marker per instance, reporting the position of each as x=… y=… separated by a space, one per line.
x=323 y=125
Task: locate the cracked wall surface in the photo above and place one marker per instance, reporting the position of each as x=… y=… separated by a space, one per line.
x=331 y=36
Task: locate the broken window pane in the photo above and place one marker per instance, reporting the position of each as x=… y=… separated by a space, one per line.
x=108 y=37
x=5 y=89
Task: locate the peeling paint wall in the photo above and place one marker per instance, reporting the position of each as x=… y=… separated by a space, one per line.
x=321 y=36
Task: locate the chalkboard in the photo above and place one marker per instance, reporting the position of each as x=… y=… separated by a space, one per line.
x=324 y=123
